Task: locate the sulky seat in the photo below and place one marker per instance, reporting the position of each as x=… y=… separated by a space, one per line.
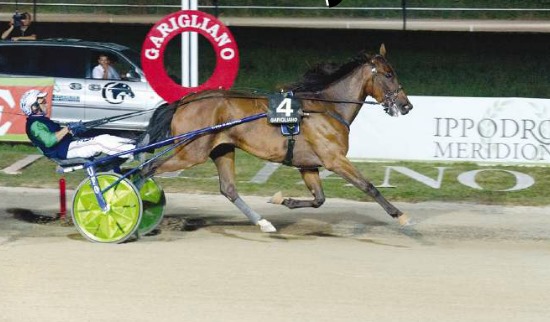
x=70 y=165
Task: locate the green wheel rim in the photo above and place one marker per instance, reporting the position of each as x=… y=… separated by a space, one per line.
x=119 y=222
x=153 y=206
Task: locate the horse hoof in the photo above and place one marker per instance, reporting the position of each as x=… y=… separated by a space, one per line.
x=277 y=198
x=266 y=226
x=405 y=221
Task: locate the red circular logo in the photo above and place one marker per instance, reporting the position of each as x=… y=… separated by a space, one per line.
x=223 y=43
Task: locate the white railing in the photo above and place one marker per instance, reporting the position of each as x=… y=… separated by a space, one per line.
x=231 y=7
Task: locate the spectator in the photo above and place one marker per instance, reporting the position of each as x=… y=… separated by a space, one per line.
x=58 y=142
x=104 y=70
x=25 y=30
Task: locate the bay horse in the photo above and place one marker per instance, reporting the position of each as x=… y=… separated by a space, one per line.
x=331 y=97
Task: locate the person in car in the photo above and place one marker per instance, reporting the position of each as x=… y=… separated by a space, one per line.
x=58 y=142
x=104 y=70
x=25 y=31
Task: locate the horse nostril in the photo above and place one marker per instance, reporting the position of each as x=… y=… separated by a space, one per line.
x=406 y=109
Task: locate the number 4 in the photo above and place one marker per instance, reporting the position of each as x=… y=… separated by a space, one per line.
x=285 y=107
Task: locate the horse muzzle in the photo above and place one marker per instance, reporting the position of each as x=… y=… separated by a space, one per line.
x=405 y=109
x=395 y=110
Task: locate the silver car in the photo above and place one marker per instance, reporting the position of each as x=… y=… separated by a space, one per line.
x=77 y=96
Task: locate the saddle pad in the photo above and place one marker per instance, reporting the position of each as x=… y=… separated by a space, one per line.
x=283 y=109
x=290 y=129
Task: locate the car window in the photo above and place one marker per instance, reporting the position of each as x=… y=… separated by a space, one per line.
x=62 y=62
x=43 y=61
x=124 y=68
x=15 y=60
x=3 y=63
x=133 y=56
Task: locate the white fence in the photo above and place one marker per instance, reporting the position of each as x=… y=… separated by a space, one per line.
x=527 y=17
x=98 y=5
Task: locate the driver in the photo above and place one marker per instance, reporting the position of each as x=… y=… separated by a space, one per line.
x=58 y=142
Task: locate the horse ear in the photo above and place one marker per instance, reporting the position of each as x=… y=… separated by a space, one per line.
x=383 y=50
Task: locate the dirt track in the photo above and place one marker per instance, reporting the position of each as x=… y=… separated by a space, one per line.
x=346 y=261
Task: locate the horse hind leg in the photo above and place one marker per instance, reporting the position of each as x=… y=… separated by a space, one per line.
x=224 y=159
x=346 y=170
x=180 y=160
x=313 y=182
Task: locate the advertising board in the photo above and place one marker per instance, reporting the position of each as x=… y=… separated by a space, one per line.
x=12 y=120
x=466 y=129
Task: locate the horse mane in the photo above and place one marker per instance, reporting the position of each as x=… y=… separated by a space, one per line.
x=322 y=75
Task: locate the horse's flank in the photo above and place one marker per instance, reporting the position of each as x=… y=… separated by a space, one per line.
x=258 y=137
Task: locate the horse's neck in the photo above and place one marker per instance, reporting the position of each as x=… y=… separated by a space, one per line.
x=350 y=88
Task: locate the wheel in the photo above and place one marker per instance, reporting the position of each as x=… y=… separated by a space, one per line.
x=154 y=202
x=116 y=224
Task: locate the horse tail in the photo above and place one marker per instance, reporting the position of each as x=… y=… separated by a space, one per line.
x=159 y=124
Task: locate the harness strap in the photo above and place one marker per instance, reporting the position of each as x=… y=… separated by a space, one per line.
x=339 y=119
x=289 y=151
x=336 y=101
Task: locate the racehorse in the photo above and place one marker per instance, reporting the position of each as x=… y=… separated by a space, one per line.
x=331 y=96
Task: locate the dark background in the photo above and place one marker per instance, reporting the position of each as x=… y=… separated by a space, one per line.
x=428 y=63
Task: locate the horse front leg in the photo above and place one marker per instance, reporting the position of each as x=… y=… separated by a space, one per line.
x=313 y=182
x=224 y=159
x=343 y=167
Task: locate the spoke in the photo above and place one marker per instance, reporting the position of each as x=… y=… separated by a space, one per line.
x=91 y=217
x=125 y=217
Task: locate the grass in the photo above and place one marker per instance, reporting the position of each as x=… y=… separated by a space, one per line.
x=203 y=179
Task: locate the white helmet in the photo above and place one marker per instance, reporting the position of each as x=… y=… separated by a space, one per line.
x=29 y=99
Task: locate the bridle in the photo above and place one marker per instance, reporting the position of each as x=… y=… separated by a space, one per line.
x=390 y=97
x=389 y=101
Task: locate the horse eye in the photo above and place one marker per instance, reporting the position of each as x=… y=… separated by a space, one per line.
x=389 y=75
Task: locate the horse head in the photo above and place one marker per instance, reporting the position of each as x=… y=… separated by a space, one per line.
x=384 y=86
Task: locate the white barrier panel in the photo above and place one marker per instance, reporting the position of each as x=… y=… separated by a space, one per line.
x=475 y=129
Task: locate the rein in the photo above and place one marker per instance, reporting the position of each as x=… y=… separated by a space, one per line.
x=298 y=97
x=338 y=101
x=334 y=115
x=95 y=123
x=329 y=113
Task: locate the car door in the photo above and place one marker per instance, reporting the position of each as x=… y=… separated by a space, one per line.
x=113 y=97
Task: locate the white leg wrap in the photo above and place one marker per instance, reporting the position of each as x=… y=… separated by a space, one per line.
x=254 y=217
x=245 y=209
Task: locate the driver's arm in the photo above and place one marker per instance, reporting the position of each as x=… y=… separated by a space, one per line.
x=41 y=131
